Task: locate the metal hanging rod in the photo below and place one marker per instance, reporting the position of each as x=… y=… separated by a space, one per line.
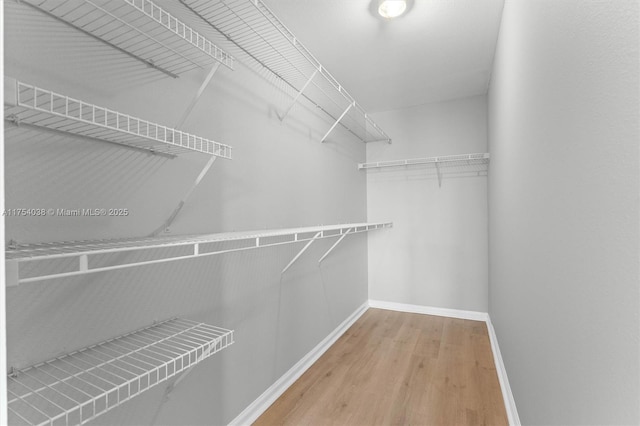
x=25 y=103
x=84 y=257
x=75 y=388
x=301 y=252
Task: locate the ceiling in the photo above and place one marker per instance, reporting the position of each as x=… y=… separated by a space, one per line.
x=440 y=49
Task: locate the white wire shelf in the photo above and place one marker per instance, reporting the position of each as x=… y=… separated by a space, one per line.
x=140 y=29
x=40 y=107
x=261 y=36
x=75 y=388
x=446 y=160
x=26 y=263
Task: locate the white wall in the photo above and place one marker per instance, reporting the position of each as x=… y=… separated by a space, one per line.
x=436 y=254
x=564 y=209
x=3 y=341
x=281 y=176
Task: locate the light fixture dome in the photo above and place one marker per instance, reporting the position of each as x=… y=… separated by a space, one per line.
x=392 y=8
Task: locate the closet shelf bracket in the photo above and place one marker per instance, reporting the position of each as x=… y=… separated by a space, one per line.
x=306 y=246
x=199 y=93
x=335 y=244
x=183 y=375
x=338 y=121
x=295 y=99
x=439 y=173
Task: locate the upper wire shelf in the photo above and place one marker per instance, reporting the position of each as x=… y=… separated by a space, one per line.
x=39 y=107
x=77 y=387
x=140 y=29
x=251 y=26
x=445 y=160
x=27 y=263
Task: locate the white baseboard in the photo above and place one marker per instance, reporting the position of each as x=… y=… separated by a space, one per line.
x=429 y=310
x=268 y=397
x=507 y=395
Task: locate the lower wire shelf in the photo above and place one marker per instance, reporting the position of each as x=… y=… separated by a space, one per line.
x=75 y=388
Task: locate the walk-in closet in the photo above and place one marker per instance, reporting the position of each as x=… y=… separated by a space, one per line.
x=348 y=212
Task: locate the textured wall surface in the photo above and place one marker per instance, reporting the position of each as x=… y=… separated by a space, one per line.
x=564 y=209
x=437 y=252
x=281 y=176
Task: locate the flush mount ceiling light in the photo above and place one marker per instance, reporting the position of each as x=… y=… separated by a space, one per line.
x=391 y=8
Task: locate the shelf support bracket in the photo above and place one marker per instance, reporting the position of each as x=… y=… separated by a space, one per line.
x=165 y=226
x=167 y=223
x=335 y=244
x=186 y=372
x=315 y=237
x=439 y=172
x=337 y=121
x=195 y=99
x=295 y=99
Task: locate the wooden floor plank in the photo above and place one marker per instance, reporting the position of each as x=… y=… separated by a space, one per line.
x=394 y=368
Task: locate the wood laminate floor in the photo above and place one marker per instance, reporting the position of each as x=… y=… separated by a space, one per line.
x=398 y=368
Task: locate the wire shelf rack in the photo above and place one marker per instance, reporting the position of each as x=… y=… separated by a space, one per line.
x=140 y=29
x=77 y=387
x=261 y=36
x=25 y=103
x=447 y=160
x=64 y=259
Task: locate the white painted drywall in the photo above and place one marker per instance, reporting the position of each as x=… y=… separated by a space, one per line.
x=564 y=210
x=281 y=176
x=438 y=50
x=437 y=253
x=3 y=340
